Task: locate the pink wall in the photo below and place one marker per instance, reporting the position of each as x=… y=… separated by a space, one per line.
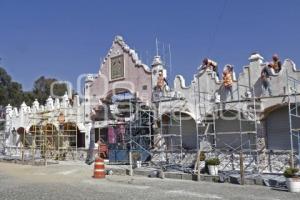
x=136 y=76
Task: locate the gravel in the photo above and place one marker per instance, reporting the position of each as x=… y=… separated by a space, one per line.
x=69 y=181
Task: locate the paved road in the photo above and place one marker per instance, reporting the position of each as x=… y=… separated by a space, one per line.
x=73 y=181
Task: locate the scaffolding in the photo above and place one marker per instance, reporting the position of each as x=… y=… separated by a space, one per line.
x=169 y=125
x=293 y=86
x=140 y=125
x=132 y=127
x=213 y=134
x=205 y=117
x=144 y=124
x=43 y=141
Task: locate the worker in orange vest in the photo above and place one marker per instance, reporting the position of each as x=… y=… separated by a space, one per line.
x=161 y=81
x=276 y=63
x=228 y=80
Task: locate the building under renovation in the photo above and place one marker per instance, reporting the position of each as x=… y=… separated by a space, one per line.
x=128 y=106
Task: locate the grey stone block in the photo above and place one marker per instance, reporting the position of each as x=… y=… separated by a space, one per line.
x=173 y=175
x=259 y=181
x=119 y=171
x=187 y=177
x=249 y=181
x=209 y=178
x=140 y=172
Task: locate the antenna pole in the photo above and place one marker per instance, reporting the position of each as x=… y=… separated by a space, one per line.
x=156 y=41
x=164 y=55
x=170 y=60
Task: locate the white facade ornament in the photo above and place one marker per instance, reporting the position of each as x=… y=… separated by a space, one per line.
x=28 y=109
x=76 y=101
x=8 y=112
x=118 y=38
x=35 y=105
x=256 y=57
x=49 y=103
x=15 y=112
x=23 y=108
x=8 y=108
x=56 y=103
x=156 y=61
x=65 y=101
x=89 y=78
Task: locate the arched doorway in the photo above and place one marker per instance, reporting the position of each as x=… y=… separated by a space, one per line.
x=22 y=137
x=233 y=130
x=176 y=124
x=278 y=129
x=50 y=133
x=71 y=136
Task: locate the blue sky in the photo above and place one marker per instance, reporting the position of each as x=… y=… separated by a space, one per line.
x=63 y=39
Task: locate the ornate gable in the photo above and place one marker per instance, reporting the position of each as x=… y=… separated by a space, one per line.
x=122 y=70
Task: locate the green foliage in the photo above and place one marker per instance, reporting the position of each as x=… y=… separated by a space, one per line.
x=291 y=172
x=11 y=92
x=212 y=161
x=42 y=88
x=28 y=97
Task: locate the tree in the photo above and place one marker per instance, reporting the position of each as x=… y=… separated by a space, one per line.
x=10 y=91
x=28 y=97
x=42 y=88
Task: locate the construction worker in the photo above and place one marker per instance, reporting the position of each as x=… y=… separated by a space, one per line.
x=228 y=80
x=208 y=64
x=276 y=63
x=265 y=78
x=161 y=81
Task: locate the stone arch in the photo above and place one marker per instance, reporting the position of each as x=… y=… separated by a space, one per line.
x=72 y=136
x=105 y=111
x=116 y=91
x=270 y=109
x=51 y=135
x=229 y=124
x=277 y=128
x=171 y=125
x=24 y=138
x=35 y=129
x=20 y=137
x=35 y=134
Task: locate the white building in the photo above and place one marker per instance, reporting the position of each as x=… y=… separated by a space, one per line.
x=203 y=101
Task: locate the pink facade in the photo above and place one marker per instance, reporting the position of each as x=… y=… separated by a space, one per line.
x=111 y=135
x=131 y=74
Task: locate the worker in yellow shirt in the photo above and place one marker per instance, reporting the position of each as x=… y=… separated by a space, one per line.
x=161 y=81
